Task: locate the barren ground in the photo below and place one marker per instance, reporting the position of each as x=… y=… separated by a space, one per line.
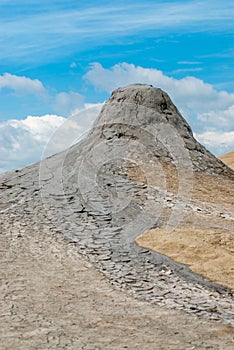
x=228 y=159
x=53 y=298
x=203 y=242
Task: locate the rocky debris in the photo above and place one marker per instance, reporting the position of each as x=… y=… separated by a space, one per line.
x=87 y=195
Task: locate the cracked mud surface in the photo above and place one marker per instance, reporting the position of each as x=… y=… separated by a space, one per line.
x=92 y=290
x=53 y=298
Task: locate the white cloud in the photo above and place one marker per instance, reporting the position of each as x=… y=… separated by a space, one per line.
x=188 y=92
x=187 y=70
x=73 y=65
x=189 y=62
x=73 y=129
x=39 y=127
x=220 y=143
x=66 y=102
x=60 y=103
x=22 y=85
x=24 y=141
x=219 y=119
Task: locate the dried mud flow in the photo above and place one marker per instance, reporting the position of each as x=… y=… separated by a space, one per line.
x=72 y=274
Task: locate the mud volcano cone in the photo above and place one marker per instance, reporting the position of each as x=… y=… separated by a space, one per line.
x=145 y=107
x=138 y=169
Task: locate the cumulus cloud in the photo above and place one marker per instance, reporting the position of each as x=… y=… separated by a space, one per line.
x=26 y=141
x=188 y=91
x=24 y=90
x=66 y=102
x=220 y=143
x=21 y=84
x=72 y=129
x=22 y=141
x=208 y=111
x=220 y=119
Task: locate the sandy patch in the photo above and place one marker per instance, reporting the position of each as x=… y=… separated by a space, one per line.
x=206 y=251
x=204 y=243
x=228 y=159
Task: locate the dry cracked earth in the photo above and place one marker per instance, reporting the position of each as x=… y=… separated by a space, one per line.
x=72 y=274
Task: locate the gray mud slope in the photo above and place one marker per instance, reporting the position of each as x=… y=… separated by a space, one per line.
x=86 y=195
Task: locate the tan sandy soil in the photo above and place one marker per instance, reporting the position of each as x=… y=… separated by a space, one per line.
x=207 y=251
x=203 y=242
x=204 y=187
x=228 y=159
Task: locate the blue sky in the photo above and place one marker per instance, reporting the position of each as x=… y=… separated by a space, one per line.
x=58 y=57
